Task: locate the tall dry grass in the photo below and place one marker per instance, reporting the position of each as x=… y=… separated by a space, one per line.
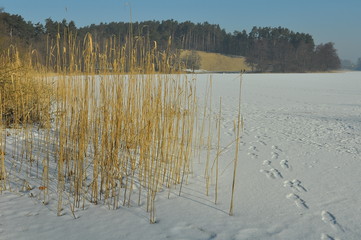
x=111 y=126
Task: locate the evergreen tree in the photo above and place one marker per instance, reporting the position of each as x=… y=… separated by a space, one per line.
x=265 y=48
x=358 y=65
x=192 y=60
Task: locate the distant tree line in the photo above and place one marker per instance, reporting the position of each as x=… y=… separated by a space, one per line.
x=349 y=65
x=358 y=65
x=266 y=49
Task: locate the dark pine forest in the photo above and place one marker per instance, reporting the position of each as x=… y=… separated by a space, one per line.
x=267 y=49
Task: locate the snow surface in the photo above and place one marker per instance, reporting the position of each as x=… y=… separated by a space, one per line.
x=297 y=177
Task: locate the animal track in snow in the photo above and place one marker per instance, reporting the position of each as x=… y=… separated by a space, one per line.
x=300 y=203
x=274 y=155
x=325 y=236
x=276 y=173
x=253 y=148
x=229 y=133
x=285 y=165
x=329 y=218
x=266 y=163
x=276 y=148
x=272 y=173
x=295 y=184
x=253 y=155
x=288 y=184
x=269 y=174
x=187 y=231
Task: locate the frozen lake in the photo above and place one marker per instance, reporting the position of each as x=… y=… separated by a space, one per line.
x=297 y=177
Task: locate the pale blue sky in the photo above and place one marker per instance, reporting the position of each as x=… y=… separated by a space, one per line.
x=335 y=21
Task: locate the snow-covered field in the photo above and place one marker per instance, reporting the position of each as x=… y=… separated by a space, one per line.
x=298 y=173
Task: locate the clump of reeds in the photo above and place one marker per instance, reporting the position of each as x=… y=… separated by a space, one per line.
x=25 y=98
x=111 y=131
x=117 y=133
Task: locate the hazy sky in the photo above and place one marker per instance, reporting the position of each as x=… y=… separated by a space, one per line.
x=335 y=21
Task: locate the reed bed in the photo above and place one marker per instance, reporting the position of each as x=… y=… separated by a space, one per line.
x=111 y=126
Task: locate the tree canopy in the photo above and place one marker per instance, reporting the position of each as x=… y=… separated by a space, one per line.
x=267 y=49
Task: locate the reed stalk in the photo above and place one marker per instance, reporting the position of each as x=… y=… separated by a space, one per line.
x=238 y=132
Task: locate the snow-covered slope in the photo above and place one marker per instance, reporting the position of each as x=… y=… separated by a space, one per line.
x=297 y=177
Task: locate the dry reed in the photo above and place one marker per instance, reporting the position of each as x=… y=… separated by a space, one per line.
x=111 y=131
